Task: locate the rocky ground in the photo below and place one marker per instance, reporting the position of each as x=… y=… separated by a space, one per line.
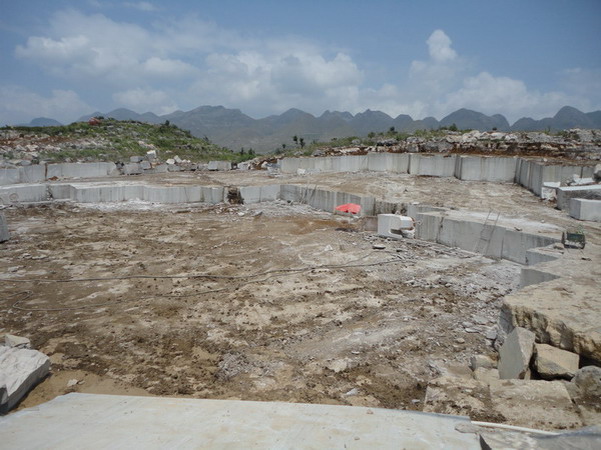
x=270 y=302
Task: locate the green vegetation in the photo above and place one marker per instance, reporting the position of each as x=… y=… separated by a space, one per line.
x=114 y=140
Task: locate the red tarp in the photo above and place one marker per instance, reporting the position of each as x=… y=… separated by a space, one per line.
x=352 y=208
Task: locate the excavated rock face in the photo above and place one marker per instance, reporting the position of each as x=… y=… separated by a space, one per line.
x=571 y=326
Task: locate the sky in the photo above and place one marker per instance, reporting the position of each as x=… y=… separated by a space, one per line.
x=63 y=59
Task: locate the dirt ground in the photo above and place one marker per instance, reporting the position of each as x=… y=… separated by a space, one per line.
x=259 y=302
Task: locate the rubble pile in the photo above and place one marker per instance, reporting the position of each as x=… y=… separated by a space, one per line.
x=23 y=149
x=150 y=163
x=525 y=383
x=576 y=144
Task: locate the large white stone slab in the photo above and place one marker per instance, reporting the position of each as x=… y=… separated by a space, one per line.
x=585 y=209
x=220 y=165
x=390 y=225
x=90 y=421
x=23 y=193
x=81 y=170
x=20 y=370
x=564 y=194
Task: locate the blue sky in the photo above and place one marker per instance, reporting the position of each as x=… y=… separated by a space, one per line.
x=63 y=59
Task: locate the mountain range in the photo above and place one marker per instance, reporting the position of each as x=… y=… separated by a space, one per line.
x=233 y=129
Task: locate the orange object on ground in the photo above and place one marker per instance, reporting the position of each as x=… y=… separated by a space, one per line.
x=352 y=208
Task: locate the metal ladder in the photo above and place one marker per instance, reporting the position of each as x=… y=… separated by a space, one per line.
x=486 y=233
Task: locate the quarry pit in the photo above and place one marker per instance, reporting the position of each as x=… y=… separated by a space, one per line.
x=269 y=300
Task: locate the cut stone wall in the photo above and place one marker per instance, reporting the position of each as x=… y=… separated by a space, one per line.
x=528 y=173
x=491 y=236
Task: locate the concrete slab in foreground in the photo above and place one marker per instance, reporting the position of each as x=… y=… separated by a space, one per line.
x=74 y=421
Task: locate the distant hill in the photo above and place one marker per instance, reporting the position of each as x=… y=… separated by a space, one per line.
x=233 y=129
x=465 y=118
x=44 y=122
x=567 y=117
x=125 y=114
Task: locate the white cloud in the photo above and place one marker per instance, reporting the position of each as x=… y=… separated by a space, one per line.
x=167 y=68
x=191 y=62
x=443 y=83
x=143 y=100
x=18 y=104
x=490 y=95
x=58 y=51
x=96 y=47
x=216 y=64
x=278 y=79
x=439 y=47
x=142 y=6
x=427 y=81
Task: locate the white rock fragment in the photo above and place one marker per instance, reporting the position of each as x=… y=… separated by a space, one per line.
x=16 y=341
x=353 y=391
x=337 y=366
